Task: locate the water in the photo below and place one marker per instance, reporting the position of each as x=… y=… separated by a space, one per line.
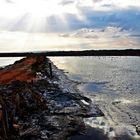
x=113 y=83
x=4 y=61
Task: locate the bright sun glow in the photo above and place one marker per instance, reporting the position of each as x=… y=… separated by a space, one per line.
x=38 y=8
x=34 y=14
x=46 y=8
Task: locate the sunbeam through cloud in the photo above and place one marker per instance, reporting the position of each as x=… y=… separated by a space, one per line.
x=67 y=17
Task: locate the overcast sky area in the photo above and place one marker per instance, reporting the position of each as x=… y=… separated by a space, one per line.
x=56 y=24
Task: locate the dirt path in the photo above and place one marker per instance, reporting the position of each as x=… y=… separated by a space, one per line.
x=19 y=71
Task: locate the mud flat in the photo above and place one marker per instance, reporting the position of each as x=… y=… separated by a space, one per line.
x=35 y=104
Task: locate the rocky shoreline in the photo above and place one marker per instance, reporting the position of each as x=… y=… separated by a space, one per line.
x=37 y=105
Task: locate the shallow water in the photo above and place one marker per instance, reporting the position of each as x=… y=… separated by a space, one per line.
x=113 y=83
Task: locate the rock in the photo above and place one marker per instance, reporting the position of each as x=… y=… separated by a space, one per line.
x=90 y=134
x=138 y=129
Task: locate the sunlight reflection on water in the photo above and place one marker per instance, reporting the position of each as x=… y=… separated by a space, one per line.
x=114 y=84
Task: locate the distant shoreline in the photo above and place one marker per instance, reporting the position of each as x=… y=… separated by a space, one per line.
x=127 y=52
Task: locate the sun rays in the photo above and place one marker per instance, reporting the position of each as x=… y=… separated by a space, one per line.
x=51 y=15
x=38 y=24
x=35 y=15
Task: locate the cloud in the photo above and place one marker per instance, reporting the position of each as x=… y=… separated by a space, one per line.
x=100 y=4
x=107 y=5
x=105 y=38
x=97 y=1
x=9 y=1
x=81 y=39
x=94 y=33
x=126 y=19
x=69 y=15
x=66 y=2
x=86 y=24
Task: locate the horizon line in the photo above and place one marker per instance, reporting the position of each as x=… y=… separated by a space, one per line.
x=124 y=52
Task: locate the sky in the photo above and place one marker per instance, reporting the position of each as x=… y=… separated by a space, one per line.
x=38 y=25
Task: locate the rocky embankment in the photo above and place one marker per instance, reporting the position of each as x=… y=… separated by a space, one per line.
x=34 y=105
